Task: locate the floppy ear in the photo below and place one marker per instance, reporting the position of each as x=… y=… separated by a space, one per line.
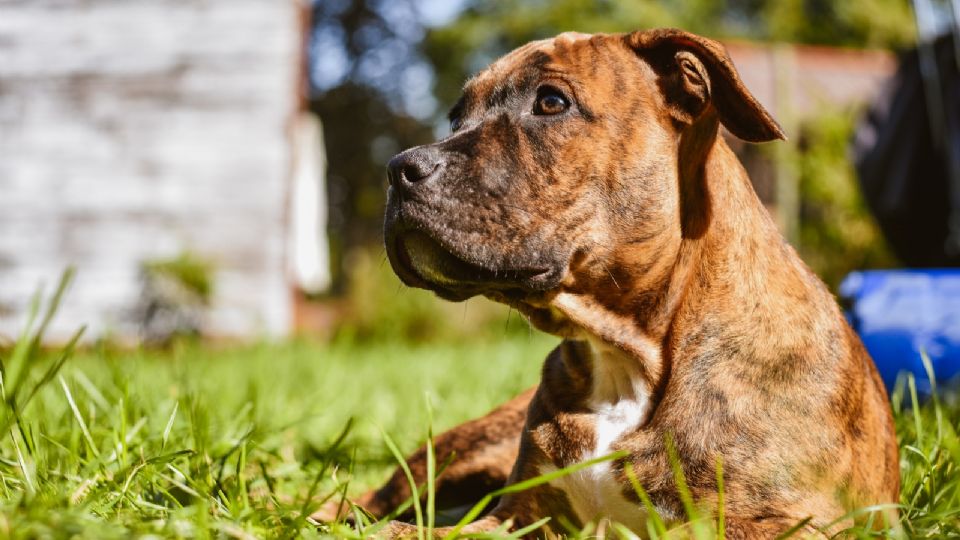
x=697 y=72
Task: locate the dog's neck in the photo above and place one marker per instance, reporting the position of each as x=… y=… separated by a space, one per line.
x=639 y=321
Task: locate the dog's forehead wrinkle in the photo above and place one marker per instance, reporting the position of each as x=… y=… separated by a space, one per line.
x=508 y=77
x=501 y=95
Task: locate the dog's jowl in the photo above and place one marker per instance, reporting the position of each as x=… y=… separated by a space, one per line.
x=585 y=183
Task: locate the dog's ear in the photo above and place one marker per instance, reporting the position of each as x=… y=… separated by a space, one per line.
x=696 y=72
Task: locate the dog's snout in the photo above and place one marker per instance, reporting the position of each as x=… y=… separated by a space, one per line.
x=412 y=167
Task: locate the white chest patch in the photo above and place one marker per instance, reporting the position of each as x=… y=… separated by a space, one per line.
x=619 y=402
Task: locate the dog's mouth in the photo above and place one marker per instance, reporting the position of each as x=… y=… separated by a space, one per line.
x=421 y=261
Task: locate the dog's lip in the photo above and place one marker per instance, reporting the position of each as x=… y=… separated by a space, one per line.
x=406 y=269
x=454 y=274
x=407 y=272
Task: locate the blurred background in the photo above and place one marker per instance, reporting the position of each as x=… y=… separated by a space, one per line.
x=216 y=169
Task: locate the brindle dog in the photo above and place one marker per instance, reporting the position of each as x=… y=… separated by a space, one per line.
x=585 y=184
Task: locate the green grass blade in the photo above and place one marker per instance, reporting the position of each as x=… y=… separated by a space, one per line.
x=169 y=426
x=915 y=406
x=76 y=413
x=417 y=510
x=54 y=303
x=431 y=472
x=15 y=366
x=325 y=464
x=522 y=532
x=22 y=359
x=90 y=388
x=54 y=368
x=794 y=530
x=652 y=515
x=551 y=476
x=27 y=474
x=686 y=498
x=624 y=532
x=721 y=511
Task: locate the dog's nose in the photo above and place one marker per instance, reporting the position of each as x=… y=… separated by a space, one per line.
x=413 y=166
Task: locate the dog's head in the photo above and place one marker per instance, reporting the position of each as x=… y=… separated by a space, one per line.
x=562 y=153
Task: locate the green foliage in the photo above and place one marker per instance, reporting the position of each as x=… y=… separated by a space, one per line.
x=463 y=47
x=191 y=272
x=173 y=299
x=379 y=307
x=837 y=233
x=861 y=23
x=929 y=460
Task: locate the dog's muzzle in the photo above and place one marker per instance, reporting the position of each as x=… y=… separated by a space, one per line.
x=426 y=249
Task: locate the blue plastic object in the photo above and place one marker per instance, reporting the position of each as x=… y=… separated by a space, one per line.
x=899 y=313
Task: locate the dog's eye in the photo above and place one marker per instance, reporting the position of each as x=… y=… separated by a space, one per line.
x=550 y=101
x=455 y=124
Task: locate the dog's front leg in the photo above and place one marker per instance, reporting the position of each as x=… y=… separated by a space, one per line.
x=481 y=455
x=748 y=529
x=399 y=529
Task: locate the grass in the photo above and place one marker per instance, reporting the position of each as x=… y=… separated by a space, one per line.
x=201 y=441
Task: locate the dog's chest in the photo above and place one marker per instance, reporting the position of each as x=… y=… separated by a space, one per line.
x=618 y=405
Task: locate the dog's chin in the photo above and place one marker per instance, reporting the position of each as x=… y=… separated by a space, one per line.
x=420 y=261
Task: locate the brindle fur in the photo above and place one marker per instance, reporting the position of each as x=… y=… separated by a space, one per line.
x=627 y=222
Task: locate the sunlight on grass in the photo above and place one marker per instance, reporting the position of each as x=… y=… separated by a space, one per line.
x=201 y=441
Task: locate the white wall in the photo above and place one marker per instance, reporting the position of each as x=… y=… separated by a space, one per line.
x=135 y=129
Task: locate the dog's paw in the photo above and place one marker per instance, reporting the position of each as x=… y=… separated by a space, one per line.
x=398 y=530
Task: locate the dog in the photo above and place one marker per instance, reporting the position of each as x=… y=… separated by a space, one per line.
x=585 y=184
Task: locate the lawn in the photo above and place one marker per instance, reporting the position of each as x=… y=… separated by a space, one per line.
x=238 y=441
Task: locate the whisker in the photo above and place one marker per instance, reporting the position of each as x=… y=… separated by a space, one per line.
x=611 y=276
